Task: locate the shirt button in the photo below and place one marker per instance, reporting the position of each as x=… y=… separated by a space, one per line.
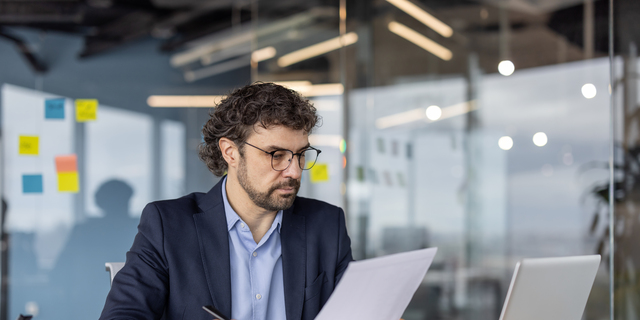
x=255 y=254
x=258 y=296
x=242 y=225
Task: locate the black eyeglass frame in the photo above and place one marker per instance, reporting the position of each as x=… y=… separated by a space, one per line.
x=299 y=154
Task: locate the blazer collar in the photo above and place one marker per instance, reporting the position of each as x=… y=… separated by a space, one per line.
x=294 y=261
x=211 y=227
x=212 y=198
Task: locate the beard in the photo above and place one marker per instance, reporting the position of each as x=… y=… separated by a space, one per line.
x=268 y=200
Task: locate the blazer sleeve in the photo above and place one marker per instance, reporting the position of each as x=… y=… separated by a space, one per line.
x=344 y=248
x=140 y=288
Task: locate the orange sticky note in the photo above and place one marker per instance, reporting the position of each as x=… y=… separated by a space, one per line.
x=67 y=163
x=68 y=182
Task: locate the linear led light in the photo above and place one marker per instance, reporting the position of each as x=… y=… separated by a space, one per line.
x=315 y=90
x=303 y=88
x=195 y=54
x=210 y=71
x=325 y=140
x=318 y=49
x=400 y=118
x=423 y=16
x=420 y=40
x=419 y=114
x=263 y=54
x=458 y=109
x=225 y=54
x=184 y=101
x=290 y=84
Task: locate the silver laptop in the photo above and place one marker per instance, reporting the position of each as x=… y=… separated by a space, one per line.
x=550 y=288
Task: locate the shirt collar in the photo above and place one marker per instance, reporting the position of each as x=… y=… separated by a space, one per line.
x=233 y=217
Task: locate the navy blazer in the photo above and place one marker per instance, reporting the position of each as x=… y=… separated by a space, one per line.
x=179 y=260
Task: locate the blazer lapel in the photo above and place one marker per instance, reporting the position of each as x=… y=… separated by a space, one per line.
x=211 y=226
x=294 y=262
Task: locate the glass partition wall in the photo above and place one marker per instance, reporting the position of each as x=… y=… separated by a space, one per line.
x=625 y=259
x=478 y=127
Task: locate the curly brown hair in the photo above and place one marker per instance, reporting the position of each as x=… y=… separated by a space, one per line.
x=263 y=104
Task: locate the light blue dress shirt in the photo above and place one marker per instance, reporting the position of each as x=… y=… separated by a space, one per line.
x=257 y=286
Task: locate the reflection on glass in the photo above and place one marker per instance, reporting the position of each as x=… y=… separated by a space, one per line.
x=173 y=153
x=505 y=143
x=79 y=277
x=506 y=68
x=589 y=90
x=434 y=113
x=124 y=154
x=540 y=139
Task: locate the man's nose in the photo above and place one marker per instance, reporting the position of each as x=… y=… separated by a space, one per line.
x=293 y=171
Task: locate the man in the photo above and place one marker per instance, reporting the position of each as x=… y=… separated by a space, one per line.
x=250 y=247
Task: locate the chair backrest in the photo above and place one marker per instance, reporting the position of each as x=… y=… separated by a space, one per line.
x=113 y=268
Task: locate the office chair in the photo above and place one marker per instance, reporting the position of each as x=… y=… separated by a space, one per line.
x=113 y=268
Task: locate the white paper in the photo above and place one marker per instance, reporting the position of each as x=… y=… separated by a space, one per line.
x=378 y=288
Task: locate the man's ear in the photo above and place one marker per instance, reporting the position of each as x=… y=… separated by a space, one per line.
x=230 y=152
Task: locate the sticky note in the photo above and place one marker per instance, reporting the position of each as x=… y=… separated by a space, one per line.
x=68 y=182
x=67 y=163
x=29 y=145
x=401 y=179
x=387 y=178
x=54 y=109
x=32 y=183
x=86 y=110
x=373 y=176
x=319 y=173
x=380 y=145
x=360 y=173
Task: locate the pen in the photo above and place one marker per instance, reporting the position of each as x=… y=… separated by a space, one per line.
x=214 y=312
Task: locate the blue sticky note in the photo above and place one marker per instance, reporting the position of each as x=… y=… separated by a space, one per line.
x=54 y=109
x=32 y=183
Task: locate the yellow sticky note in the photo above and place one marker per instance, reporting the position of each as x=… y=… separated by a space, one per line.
x=86 y=110
x=319 y=173
x=68 y=182
x=29 y=145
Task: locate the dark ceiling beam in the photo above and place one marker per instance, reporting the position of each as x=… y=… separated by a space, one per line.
x=36 y=64
x=26 y=12
x=194 y=13
x=128 y=28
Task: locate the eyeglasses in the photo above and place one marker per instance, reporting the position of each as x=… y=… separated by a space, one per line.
x=281 y=159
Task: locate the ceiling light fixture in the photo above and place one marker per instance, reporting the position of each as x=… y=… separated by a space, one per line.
x=506 y=68
x=318 y=49
x=294 y=83
x=420 y=40
x=183 y=101
x=589 y=90
x=423 y=16
x=263 y=54
x=314 y=90
x=420 y=114
x=325 y=140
